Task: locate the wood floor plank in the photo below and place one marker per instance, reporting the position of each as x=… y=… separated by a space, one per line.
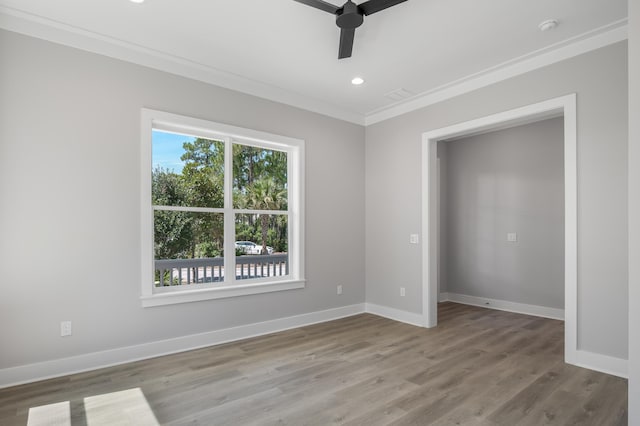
x=478 y=367
x=523 y=402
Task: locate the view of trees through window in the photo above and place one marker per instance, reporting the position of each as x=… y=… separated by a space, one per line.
x=188 y=196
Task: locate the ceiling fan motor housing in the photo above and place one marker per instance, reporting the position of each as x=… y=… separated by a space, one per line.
x=349 y=16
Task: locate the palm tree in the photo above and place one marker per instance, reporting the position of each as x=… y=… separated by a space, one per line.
x=264 y=194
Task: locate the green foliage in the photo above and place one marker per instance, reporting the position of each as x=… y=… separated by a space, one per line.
x=265 y=194
x=246 y=230
x=167 y=188
x=259 y=183
x=173 y=231
x=173 y=234
x=208 y=249
x=251 y=165
x=203 y=173
x=203 y=182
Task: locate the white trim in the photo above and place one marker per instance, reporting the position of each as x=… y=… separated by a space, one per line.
x=443 y=297
x=566 y=106
x=188 y=209
x=176 y=123
x=47 y=29
x=570 y=228
x=395 y=314
x=600 y=37
x=429 y=215
x=146 y=207
x=633 y=197
x=221 y=292
x=164 y=121
x=603 y=363
x=505 y=305
x=40 y=27
x=13 y=376
x=61 y=367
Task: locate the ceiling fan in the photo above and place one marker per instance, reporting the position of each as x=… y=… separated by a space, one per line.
x=349 y=17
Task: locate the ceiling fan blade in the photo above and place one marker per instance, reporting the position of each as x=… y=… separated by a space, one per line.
x=319 y=4
x=346 y=42
x=373 y=6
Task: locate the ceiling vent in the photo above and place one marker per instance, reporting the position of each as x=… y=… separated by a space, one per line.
x=399 y=94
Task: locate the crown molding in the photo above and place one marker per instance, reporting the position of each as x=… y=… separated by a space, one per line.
x=68 y=35
x=57 y=32
x=595 y=39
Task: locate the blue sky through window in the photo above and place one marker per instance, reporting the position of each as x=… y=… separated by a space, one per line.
x=167 y=150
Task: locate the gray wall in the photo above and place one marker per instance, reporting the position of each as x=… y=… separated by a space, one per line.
x=634 y=212
x=393 y=152
x=69 y=178
x=510 y=180
x=70 y=215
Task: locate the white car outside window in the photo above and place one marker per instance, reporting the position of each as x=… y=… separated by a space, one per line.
x=249 y=247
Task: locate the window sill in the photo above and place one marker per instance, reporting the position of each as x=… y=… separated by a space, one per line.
x=186 y=296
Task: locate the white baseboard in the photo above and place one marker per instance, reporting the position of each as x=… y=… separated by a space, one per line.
x=61 y=367
x=395 y=314
x=602 y=363
x=86 y=362
x=443 y=297
x=505 y=305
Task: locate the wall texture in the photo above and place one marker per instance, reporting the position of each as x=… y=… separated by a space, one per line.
x=70 y=216
x=393 y=190
x=634 y=212
x=510 y=180
x=69 y=185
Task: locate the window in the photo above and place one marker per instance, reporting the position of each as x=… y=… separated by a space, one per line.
x=221 y=210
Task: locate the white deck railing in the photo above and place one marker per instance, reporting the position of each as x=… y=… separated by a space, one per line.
x=211 y=269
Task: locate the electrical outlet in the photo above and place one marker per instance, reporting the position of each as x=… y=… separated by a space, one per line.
x=414 y=239
x=339 y=289
x=65 y=328
x=512 y=237
x=402 y=292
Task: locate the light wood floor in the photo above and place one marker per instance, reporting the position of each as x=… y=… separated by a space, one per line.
x=478 y=367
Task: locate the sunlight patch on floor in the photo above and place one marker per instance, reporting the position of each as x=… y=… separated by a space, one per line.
x=122 y=408
x=58 y=414
x=127 y=407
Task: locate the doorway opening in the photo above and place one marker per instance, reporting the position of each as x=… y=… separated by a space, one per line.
x=565 y=107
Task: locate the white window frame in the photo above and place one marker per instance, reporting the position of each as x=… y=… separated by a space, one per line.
x=231 y=287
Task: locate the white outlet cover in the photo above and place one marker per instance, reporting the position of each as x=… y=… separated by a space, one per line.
x=512 y=237
x=339 y=289
x=414 y=239
x=65 y=328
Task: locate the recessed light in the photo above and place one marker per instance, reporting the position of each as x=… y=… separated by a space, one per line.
x=136 y=1
x=547 y=25
x=357 y=81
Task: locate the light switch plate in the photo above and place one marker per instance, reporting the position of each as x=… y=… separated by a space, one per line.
x=414 y=239
x=512 y=237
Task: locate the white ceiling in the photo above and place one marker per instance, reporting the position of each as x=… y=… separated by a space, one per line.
x=287 y=51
